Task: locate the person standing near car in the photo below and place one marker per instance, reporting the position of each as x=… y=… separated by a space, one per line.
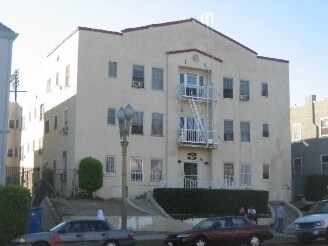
x=100 y=214
x=280 y=215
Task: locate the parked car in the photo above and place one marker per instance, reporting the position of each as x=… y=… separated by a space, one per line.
x=77 y=232
x=313 y=225
x=224 y=230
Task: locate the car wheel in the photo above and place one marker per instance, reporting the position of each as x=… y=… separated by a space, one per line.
x=304 y=240
x=200 y=241
x=111 y=243
x=254 y=240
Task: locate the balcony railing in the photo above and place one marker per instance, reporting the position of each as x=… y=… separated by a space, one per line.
x=203 y=184
x=206 y=92
x=191 y=136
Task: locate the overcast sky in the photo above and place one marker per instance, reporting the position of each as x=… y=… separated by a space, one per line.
x=293 y=30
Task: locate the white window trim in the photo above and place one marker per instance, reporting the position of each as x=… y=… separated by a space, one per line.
x=294 y=173
x=115 y=166
x=321 y=127
x=293 y=135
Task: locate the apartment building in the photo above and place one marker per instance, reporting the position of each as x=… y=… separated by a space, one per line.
x=209 y=112
x=309 y=128
x=7 y=37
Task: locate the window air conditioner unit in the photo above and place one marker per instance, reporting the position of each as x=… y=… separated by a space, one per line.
x=244 y=97
x=65 y=129
x=137 y=84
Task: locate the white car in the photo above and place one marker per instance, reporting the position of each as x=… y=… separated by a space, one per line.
x=314 y=225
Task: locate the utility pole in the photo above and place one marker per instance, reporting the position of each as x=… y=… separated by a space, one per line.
x=15 y=83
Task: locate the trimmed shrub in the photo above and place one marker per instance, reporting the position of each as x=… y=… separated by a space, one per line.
x=90 y=175
x=15 y=205
x=208 y=202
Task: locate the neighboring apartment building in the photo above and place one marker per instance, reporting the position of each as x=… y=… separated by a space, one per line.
x=7 y=37
x=208 y=111
x=309 y=133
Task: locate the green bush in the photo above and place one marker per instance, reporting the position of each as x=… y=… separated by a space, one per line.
x=15 y=205
x=317 y=183
x=90 y=175
x=210 y=202
x=47 y=176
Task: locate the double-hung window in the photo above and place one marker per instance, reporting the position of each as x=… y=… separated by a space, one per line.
x=296 y=132
x=110 y=165
x=324 y=163
x=157 y=78
x=136 y=169
x=47 y=126
x=245 y=135
x=156 y=174
x=228 y=130
x=138 y=76
x=227 y=88
x=112 y=69
x=244 y=90
x=297 y=166
x=265 y=90
x=192 y=85
x=111 y=116
x=67 y=76
x=137 y=123
x=245 y=174
x=157 y=124
x=265 y=132
x=266 y=172
x=324 y=127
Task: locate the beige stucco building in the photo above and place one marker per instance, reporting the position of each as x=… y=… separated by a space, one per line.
x=208 y=111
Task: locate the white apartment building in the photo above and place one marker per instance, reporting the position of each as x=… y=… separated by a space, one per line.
x=209 y=112
x=7 y=37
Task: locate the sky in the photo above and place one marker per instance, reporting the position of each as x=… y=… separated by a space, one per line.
x=293 y=30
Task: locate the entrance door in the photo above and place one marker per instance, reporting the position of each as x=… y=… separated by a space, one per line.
x=190 y=175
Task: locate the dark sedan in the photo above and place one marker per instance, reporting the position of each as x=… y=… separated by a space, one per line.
x=79 y=232
x=225 y=230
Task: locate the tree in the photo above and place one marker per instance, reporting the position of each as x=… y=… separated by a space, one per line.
x=90 y=175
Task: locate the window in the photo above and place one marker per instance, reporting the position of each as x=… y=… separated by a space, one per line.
x=265 y=90
x=157 y=124
x=112 y=69
x=111 y=116
x=22 y=152
x=324 y=163
x=16 y=152
x=12 y=124
x=48 y=88
x=228 y=130
x=137 y=123
x=266 y=172
x=67 y=76
x=55 y=122
x=297 y=166
x=265 y=132
x=245 y=131
x=156 y=170
x=35 y=113
x=17 y=123
x=244 y=90
x=245 y=174
x=10 y=152
x=138 y=76
x=193 y=84
x=110 y=165
x=227 y=88
x=41 y=111
x=228 y=173
x=46 y=126
x=324 y=127
x=40 y=146
x=157 y=78
x=296 y=131
x=190 y=130
x=136 y=168
x=57 y=79
x=65 y=118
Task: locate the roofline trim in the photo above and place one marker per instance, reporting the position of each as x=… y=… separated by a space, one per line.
x=272 y=59
x=193 y=50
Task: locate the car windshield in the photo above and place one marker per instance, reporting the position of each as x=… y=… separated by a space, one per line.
x=319 y=208
x=205 y=224
x=57 y=226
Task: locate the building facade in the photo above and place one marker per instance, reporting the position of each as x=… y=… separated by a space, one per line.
x=7 y=36
x=309 y=132
x=208 y=111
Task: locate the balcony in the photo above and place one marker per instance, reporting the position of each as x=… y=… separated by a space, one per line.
x=198 y=138
x=201 y=93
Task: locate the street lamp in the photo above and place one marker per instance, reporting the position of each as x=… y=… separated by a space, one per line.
x=124 y=117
